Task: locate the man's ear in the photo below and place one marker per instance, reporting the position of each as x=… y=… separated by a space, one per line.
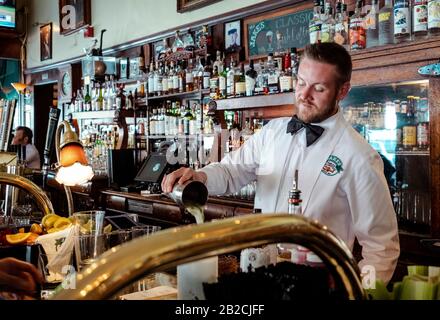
x=344 y=90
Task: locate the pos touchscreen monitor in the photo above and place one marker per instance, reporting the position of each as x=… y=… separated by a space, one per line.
x=7 y=14
x=153 y=169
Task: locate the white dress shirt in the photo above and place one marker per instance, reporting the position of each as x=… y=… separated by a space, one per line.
x=340 y=176
x=32 y=157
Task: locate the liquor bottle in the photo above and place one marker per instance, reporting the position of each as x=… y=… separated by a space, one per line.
x=207 y=71
x=402 y=21
x=158 y=79
x=340 y=31
x=214 y=85
x=294 y=201
x=189 y=76
x=372 y=25
x=230 y=83
x=79 y=102
x=409 y=130
x=240 y=82
x=315 y=24
x=218 y=62
x=423 y=124
x=420 y=18
x=151 y=91
x=175 y=77
x=251 y=79
x=182 y=76
x=286 y=81
x=222 y=83
x=165 y=90
x=87 y=100
x=178 y=43
x=198 y=74
x=434 y=17
x=357 y=30
x=111 y=97
x=272 y=75
x=261 y=86
x=386 y=24
x=170 y=76
x=99 y=99
x=328 y=24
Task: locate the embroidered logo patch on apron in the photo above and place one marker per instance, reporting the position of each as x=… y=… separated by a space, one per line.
x=333 y=166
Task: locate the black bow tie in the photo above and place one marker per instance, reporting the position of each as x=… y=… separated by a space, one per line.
x=312 y=132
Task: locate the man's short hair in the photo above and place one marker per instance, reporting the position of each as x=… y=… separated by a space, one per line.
x=27 y=132
x=331 y=53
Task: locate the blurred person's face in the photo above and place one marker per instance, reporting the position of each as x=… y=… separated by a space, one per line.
x=20 y=138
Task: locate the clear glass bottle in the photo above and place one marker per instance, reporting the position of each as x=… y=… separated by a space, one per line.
x=151 y=90
x=372 y=25
x=386 y=23
x=340 y=36
x=272 y=75
x=328 y=24
x=315 y=24
x=230 y=81
x=402 y=21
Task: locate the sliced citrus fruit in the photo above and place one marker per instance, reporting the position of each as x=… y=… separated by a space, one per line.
x=43 y=221
x=61 y=222
x=32 y=238
x=36 y=228
x=21 y=230
x=18 y=238
x=51 y=221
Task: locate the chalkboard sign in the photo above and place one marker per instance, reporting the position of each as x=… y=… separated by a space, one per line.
x=278 y=33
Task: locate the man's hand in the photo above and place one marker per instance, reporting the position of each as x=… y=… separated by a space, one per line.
x=181 y=176
x=19 y=276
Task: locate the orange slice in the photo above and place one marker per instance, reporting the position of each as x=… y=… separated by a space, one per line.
x=18 y=238
x=32 y=238
x=36 y=228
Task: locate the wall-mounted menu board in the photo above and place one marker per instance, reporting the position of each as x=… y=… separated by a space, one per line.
x=277 y=31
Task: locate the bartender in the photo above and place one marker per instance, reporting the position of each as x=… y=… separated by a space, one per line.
x=340 y=174
x=23 y=136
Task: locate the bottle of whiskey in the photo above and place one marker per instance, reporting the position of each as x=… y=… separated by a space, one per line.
x=214 y=85
x=286 y=81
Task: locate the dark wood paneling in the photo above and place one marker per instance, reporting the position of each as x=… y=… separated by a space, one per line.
x=434 y=108
x=10 y=48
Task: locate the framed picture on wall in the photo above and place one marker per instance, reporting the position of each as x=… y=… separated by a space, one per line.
x=74 y=15
x=188 y=5
x=46 y=42
x=233 y=36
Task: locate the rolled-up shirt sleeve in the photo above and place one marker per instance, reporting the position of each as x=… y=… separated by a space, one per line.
x=237 y=169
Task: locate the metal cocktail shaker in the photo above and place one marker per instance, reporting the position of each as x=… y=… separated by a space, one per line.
x=191 y=192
